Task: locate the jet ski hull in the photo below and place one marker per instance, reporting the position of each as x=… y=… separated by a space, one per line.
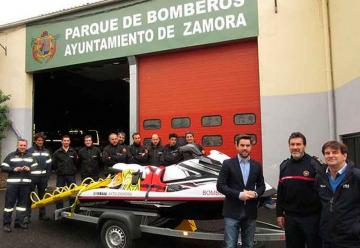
x=201 y=202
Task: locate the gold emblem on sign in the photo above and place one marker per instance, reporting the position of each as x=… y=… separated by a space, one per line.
x=306 y=173
x=44 y=47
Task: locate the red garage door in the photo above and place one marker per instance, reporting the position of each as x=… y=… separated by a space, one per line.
x=212 y=91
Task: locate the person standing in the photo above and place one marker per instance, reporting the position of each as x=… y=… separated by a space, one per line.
x=298 y=205
x=241 y=180
x=89 y=159
x=17 y=165
x=40 y=176
x=189 y=136
x=155 y=151
x=171 y=153
x=114 y=153
x=121 y=138
x=64 y=162
x=138 y=154
x=339 y=189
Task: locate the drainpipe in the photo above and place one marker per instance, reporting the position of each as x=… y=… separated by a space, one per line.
x=329 y=70
x=134 y=98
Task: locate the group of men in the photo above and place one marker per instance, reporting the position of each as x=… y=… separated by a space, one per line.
x=318 y=204
x=153 y=154
x=29 y=169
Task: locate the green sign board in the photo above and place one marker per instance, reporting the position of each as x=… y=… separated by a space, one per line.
x=141 y=28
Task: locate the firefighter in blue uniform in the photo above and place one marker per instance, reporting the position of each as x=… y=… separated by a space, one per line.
x=18 y=165
x=39 y=177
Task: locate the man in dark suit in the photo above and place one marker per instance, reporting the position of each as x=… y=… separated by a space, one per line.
x=241 y=180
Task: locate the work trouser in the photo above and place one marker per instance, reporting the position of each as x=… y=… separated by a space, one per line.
x=40 y=183
x=16 y=194
x=61 y=181
x=302 y=230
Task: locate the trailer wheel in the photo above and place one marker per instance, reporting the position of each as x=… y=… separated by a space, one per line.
x=115 y=234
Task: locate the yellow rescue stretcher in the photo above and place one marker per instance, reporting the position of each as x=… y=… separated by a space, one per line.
x=123 y=178
x=65 y=192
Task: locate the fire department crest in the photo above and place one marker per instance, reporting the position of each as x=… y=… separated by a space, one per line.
x=44 y=47
x=306 y=173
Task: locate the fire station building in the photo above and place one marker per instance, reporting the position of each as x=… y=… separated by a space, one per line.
x=219 y=68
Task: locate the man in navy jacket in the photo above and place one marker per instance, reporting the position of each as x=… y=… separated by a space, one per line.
x=241 y=180
x=339 y=190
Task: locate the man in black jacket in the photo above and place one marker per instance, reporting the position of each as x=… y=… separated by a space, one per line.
x=339 y=189
x=89 y=159
x=40 y=176
x=64 y=162
x=18 y=165
x=189 y=136
x=298 y=205
x=121 y=138
x=114 y=153
x=241 y=180
x=171 y=152
x=155 y=151
x=138 y=154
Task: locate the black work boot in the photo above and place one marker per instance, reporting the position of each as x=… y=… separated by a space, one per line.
x=7 y=228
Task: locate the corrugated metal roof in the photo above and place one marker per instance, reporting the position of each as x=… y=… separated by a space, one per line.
x=57 y=13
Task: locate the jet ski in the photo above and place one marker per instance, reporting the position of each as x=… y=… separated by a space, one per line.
x=185 y=190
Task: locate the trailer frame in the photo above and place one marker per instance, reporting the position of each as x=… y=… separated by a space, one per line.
x=129 y=225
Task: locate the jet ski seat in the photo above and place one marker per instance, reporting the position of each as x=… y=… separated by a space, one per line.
x=153 y=180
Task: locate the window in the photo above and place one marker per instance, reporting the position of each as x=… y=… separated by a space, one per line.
x=244 y=119
x=253 y=138
x=152 y=124
x=211 y=121
x=212 y=140
x=181 y=122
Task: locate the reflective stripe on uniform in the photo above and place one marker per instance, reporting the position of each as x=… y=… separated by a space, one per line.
x=18 y=180
x=28 y=159
x=38 y=172
x=48 y=161
x=16 y=159
x=8 y=210
x=36 y=154
x=5 y=165
x=13 y=180
x=20 y=209
x=34 y=164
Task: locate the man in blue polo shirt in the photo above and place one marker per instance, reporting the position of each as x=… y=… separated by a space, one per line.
x=339 y=190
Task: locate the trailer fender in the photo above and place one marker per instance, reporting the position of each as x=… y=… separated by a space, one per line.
x=129 y=219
